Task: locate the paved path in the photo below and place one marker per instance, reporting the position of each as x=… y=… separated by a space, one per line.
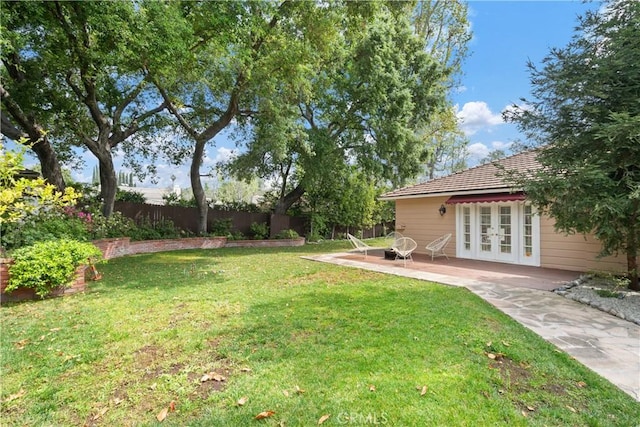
x=604 y=343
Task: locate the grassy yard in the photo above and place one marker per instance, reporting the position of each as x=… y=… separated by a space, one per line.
x=214 y=338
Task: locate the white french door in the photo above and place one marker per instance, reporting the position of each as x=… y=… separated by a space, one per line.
x=496 y=233
x=502 y=232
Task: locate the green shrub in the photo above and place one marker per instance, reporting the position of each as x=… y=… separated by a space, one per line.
x=172 y=199
x=146 y=230
x=130 y=196
x=45 y=266
x=260 y=231
x=221 y=227
x=314 y=237
x=287 y=234
x=236 y=235
x=52 y=224
x=117 y=225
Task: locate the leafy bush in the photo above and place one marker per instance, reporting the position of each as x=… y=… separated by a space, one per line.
x=314 y=237
x=221 y=227
x=260 y=231
x=130 y=196
x=172 y=199
x=147 y=230
x=45 y=266
x=287 y=234
x=117 y=225
x=57 y=223
x=236 y=235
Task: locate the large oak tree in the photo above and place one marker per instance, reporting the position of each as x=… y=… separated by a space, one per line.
x=369 y=93
x=79 y=78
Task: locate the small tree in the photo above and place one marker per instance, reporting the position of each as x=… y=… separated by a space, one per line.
x=587 y=115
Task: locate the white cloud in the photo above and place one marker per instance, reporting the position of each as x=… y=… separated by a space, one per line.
x=477 y=152
x=477 y=115
x=224 y=154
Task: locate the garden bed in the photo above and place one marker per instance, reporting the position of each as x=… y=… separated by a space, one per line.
x=79 y=284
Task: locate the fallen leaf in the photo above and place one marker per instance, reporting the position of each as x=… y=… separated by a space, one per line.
x=323 y=418
x=531 y=408
x=162 y=414
x=491 y=356
x=489 y=344
x=54 y=329
x=299 y=390
x=372 y=387
x=21 y=344
x=117 y=401
x=100 y=413
x=524 y=414
x=172 y=406
x=264 y=414
x=285 y=392
x=242 y=400
x=245 y=370
x=423 y=391
x=581 y=384
x=212 y=376
x=571 y=409
x=15 y=396
x=500 y=391
x=506 y=344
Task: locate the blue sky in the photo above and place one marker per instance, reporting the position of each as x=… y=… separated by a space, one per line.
x=505 y=35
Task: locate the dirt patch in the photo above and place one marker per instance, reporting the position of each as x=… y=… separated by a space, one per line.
x=515 y=376
x=147 y=355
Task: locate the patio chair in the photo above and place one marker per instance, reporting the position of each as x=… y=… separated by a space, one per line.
x=403 y=248
x=437 y=246
x=359 y=245
x=392 y=238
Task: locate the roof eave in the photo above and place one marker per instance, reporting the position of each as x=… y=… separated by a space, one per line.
x=450 y=193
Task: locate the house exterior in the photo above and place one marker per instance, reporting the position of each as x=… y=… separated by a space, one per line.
x=491 y=221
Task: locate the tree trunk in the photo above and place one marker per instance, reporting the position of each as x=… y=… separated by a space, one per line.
x=108 y=182
x=283 y=205
x=196 y=185
x=37 y=139
x=49 y=165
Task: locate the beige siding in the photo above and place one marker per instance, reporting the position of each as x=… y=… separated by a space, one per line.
x=420 y=220
x=573 y=252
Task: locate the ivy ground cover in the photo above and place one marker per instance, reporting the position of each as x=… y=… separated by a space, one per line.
x=232 y=337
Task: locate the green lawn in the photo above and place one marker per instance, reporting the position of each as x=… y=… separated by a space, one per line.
x=269 y=331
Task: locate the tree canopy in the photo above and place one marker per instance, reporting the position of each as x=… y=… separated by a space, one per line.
x=312 y=87
x=586 y=116
x=369 y=93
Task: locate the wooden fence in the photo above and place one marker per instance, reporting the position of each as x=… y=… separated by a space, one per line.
x=187 y=219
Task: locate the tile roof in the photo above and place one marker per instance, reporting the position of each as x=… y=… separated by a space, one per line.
x=479 y=179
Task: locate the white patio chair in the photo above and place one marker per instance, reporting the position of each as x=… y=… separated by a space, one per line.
x=359 y=245
x=404 y=247
x=437 y=246
x=392 y=238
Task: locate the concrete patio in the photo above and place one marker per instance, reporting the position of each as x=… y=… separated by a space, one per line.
x=604 y=343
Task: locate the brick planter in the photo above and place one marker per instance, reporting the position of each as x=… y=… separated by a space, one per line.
x=79 y=284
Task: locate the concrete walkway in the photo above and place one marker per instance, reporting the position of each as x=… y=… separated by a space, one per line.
x=604 y=343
